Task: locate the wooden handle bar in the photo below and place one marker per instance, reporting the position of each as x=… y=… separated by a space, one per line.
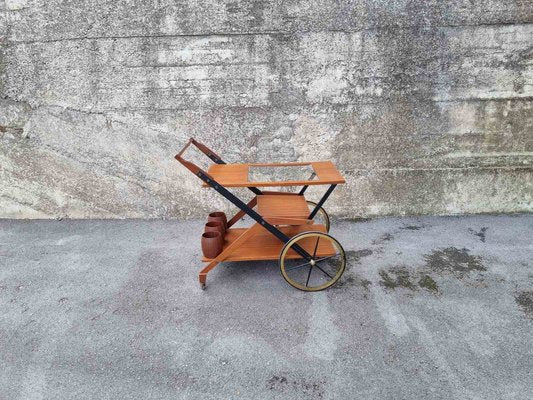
x=190 y=165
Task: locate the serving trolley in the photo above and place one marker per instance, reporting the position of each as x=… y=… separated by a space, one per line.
x=286 y=227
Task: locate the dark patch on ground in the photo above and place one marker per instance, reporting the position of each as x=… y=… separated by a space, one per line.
x=352 y=280
x=396 y=277
x=525 y=301
x=349 y=279
x=400 y=277
x=358 y=219
x=428 y=283
x=353 y=256
x=281 y=383
x=386 y=237
x=453 y=260
x=481 y=234
x=412 y=227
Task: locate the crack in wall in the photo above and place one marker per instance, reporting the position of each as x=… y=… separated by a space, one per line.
x=265 y=33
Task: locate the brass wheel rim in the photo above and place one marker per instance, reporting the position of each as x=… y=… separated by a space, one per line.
x=329 y=282
x=322 y=212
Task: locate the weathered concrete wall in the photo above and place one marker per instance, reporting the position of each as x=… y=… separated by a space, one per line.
x=425 y=106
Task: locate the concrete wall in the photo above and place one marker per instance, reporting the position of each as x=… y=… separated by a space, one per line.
x=425 y=106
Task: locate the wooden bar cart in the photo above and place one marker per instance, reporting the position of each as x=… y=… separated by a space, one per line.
x=285 y=228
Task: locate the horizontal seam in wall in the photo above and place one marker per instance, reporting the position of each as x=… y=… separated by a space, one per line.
x=401 y=169
x=266 y=108
x=266 y=33
x=473 y=99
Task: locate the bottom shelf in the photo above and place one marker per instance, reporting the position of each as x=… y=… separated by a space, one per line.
x=265 y=246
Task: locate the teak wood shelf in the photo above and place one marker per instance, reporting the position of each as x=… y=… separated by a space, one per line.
x=237 y=175
x=285 y=227
x=282 y=205
x=265 y=246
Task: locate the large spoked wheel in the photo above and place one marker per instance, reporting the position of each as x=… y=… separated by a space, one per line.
x=321 y=216
x=326 y=267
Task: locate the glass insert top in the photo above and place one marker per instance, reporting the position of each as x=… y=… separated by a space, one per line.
x=281 y=173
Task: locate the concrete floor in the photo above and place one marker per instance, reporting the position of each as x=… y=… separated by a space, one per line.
x=428 y=308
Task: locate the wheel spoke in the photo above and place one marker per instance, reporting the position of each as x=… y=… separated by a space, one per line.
x=330 y=277
x=308 y=276
x=325 y=258
x=296 y=266
x=316 y=246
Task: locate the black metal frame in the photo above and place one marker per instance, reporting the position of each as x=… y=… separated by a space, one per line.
x=322 y=201
x=253 y=214
x=313 y=174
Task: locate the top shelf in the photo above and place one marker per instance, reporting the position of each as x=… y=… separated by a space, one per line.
x=238 y=175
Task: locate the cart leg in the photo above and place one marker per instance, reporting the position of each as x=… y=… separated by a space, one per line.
x=202 y=277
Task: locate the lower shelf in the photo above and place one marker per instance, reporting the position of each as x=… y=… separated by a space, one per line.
x=265 y=246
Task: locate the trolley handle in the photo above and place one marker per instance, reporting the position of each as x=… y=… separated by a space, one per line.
x=184 y=148
x=204 y=149
x=209 y=153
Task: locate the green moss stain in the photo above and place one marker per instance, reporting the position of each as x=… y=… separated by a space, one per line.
x=354 y=256
x=396 y=277
x=400 y=277
x=453 y=260
x=353 y=280
x=427 y=282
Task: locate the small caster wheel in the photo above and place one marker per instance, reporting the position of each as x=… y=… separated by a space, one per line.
x=202 y=286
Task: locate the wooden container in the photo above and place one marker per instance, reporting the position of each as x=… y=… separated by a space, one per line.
x=215 y=226
x=218 y=216
x=212 y=244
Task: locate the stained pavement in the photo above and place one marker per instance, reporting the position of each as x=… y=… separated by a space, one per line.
x=432 y=307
